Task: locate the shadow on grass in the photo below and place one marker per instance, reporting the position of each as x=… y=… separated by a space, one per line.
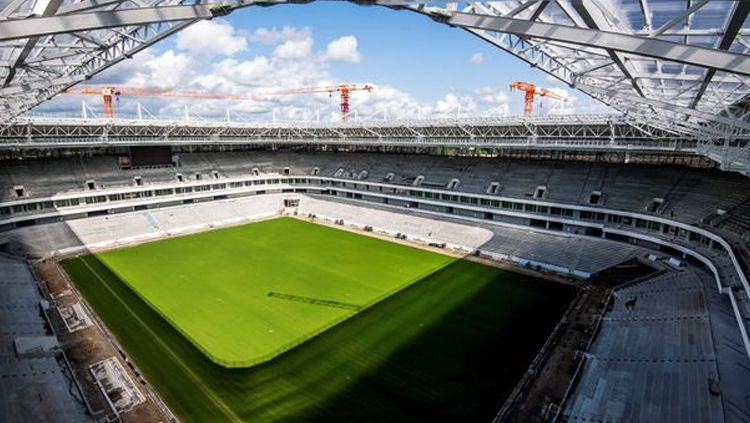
x=449 y=347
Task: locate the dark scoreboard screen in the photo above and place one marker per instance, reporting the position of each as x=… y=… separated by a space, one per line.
x=151 y=156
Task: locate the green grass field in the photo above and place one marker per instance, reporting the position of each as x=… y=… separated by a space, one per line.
x=450 y=345
x=244 y=295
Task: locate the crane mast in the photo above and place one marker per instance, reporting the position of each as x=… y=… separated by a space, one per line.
x=344 y=91
x=530 y=91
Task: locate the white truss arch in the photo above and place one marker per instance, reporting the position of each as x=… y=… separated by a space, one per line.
x=681 y=66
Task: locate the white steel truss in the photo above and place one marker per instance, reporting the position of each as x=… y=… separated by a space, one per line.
x=47 y=46
x=606 y=133
x=672 y=64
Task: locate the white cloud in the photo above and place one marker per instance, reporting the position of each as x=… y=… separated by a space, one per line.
x=294 y=49
x=452 y=104
x=291 y=42
x=210 y=38
x=274 y=35
x=386 y=100
x=343 y=49
x=170 y=70
x=477 y=58
x=247 y=72
x=491 y=101
x=292 y=64
x=491 y=95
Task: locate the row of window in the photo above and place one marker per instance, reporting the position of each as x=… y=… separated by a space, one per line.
x=71 y=202
x=447 y=197
x=533 y=208
x=455 y=198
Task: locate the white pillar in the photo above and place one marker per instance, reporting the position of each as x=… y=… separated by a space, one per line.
x=187 y=114
x=229 y=119
x=140 y=112
x=83 y=109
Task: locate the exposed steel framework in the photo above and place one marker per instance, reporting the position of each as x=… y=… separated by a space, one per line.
x=681 y=66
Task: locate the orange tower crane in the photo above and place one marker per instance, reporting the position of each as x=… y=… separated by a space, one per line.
x=344 y=91
x=110 y=93
x=107 y=93
x=530 y=91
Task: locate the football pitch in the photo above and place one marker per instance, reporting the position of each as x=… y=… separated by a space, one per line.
x=244 y=295
x=285 y=320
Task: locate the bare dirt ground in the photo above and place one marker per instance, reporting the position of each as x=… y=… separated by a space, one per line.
x=90 y=345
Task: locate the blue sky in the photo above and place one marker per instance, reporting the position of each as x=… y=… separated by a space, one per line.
x=399 y=48
x=413 y=62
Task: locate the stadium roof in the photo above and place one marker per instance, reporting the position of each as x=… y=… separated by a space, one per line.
x=675 y=64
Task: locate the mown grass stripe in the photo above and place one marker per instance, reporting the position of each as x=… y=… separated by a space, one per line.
x=228 y=413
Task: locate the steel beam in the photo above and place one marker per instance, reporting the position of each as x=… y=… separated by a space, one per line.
x=666 y=106
x=733 y=27
x=43 y=8
x=694 y=7
x=11 y=8
x=596 y=20
x=36 y=27
x=86 y=5
x=633 y=44
x=560 y=50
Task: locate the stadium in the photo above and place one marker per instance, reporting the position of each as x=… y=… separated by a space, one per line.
x=419 y=265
